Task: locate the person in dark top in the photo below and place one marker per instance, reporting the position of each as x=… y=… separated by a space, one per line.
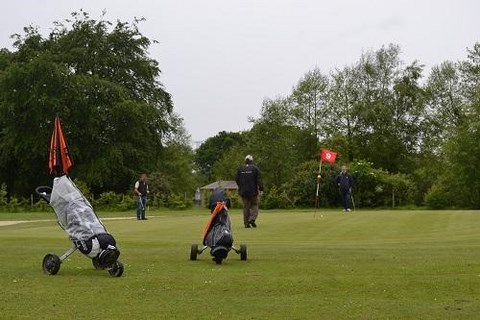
x=141 y=190
x=249 y=181
x=344 y=182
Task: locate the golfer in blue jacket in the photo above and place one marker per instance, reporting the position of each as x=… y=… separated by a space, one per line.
x=344 y=182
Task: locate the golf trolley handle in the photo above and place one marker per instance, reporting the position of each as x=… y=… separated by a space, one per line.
x=44 y=192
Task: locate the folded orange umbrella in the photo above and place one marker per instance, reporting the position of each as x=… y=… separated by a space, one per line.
x=60 y=160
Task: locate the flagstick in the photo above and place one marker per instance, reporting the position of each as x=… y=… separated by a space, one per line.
x=318 y=186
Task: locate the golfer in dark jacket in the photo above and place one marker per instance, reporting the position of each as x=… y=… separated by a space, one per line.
x=344 y=183
x=249 y=181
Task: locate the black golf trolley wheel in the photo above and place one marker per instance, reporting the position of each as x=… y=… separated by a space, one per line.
x=51 y=264
x=243 y=252
x=116 y=270
x=96 y=264
x=193 y=252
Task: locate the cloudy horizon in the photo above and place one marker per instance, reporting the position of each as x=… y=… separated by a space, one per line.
x=221 y=59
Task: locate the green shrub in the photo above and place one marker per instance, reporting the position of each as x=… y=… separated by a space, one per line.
x=3 y=196
x=127 y=203
x=84 y=189
x=235 y=199
x=14 y=205
x=108 y=200
x=438 y=197
x=178 y=202
x=155 y=200
x=275 y=199
x=301 y=190
x=41 y=205
x=379 y=188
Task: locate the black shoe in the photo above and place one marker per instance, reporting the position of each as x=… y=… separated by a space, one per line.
x=144 y=218
x=247 y=225
x=252 y=223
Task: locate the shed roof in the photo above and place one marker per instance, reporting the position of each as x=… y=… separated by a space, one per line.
x=226 y=184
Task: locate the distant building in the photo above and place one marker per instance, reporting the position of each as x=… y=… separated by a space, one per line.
x=225 y=184
x=228 y=185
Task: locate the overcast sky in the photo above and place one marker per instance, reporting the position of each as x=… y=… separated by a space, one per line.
x=220 y=58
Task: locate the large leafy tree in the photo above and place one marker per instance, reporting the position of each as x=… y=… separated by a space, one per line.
x=308 y=100
x=175 y=165
x=462 y=152
x=343 y=121
x=453 y=111
x=376 y=107
x=99 y=77
x=212 y=150
x=277 y=144
x=443 y=112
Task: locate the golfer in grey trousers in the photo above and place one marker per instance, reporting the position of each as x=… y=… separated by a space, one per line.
x=249 y=181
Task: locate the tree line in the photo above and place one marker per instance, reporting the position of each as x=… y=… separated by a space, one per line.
x=117 y=116
x=409 y=139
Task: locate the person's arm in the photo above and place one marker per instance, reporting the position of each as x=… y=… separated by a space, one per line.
x=237 y=177
x=259 y=181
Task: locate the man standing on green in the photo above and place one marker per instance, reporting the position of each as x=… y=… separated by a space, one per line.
x=141 y=190
x=344 y=182
x=249 y=181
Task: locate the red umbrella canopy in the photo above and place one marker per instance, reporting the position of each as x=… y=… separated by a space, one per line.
x=60 y=160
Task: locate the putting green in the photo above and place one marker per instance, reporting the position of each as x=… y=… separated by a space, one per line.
x=301 y=265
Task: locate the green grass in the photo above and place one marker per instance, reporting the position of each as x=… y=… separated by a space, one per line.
x=301 y=265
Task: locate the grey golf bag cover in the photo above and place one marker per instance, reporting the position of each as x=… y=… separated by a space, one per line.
x=77 y=217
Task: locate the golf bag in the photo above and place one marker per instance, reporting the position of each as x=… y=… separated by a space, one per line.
x=76 y=216
x=218 y=234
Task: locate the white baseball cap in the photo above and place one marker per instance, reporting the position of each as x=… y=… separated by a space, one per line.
x=248 y=157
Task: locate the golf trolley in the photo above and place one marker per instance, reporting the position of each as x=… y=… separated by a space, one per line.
x=217 y=234
x=76 y=217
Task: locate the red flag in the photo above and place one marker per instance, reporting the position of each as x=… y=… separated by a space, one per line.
x=328 y=156
x=60 y=160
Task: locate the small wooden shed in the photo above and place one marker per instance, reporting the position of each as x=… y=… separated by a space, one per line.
x=225 y=184
x=228 y=185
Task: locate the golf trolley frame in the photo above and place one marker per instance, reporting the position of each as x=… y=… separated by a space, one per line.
x=51 y=262
x=195 y=251
x=217 y=234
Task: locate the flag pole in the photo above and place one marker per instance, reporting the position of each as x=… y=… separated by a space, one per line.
x=329 y=156
x=318 y=184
